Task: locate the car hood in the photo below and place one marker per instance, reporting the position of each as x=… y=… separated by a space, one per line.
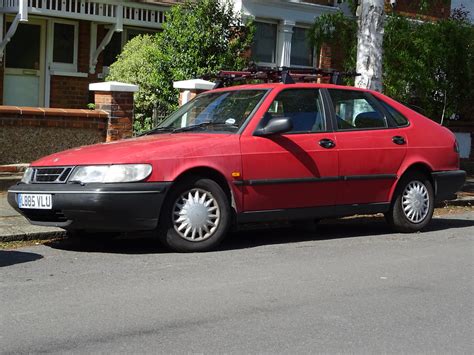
x=140 y=150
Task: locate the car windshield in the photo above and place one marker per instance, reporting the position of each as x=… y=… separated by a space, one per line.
x=223 y=111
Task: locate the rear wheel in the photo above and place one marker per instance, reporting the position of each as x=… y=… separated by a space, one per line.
x=196 y=216
x=413 y=205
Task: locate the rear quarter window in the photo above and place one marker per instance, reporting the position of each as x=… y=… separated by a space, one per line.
x=397 y=117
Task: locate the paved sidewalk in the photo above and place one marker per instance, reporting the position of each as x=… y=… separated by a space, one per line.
x=14 y=227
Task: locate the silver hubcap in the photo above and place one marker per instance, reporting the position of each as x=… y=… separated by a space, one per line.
x=196 y=215
x=416 y=201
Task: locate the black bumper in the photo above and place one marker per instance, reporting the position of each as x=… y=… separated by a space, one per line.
x=447 y=183
x=96 y=207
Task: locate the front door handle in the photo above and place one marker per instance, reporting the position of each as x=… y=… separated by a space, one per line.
x=327 y=143
x=398 y=140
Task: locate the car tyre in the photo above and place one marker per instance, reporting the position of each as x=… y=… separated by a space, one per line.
x=413 y=204
x=196 y=216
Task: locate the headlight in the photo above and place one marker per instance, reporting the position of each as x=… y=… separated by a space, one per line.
x=27 y=176
x=111 y=173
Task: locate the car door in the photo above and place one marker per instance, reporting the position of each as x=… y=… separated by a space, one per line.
x=296 y=169
x=369 y=145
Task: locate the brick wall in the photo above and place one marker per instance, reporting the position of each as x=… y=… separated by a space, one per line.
x=28 y=133
x=436 y=8
x=70 y=91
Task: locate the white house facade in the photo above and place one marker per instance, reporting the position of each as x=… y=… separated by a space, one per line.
x=281 y=26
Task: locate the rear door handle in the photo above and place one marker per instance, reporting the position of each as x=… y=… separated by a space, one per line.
x=398 y=140
x=327 y=143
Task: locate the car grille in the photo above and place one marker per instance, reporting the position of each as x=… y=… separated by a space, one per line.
x=52 y=175
x=45 y=215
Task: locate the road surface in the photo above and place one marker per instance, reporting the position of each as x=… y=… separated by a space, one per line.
x=350 y=286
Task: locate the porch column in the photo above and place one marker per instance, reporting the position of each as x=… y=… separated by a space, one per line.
x=188 y=89
x=285 y=32
x=117 y=100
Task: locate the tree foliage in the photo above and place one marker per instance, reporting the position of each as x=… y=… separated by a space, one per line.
x=338 y=30
x=431 y=65
x=426 y=64
x=198 y=38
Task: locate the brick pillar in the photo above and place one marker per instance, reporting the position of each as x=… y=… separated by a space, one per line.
x=188 y=89
x=325 y=60
x=117 y=100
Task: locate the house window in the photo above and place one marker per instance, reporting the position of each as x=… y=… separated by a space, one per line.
x=119 y=39
x=113 y=49
x=264 y=43
x=65 y=43
x=19 y=55
x=301 y=51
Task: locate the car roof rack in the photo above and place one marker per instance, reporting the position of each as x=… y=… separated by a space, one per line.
x=285 y=75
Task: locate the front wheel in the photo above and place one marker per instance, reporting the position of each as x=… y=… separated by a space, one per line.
x=413 y=205
x=196 y=216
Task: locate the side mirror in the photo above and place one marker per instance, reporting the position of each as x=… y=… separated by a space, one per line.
x=275 y=126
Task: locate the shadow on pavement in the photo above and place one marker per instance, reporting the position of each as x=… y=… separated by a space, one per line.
x=137 y=244
x=258 y=235
x=330 y=229
x=10 y=257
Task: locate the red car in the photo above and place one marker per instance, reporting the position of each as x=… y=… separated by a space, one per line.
x=251 y=153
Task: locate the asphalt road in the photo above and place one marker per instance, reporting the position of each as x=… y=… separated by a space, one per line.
x=348 y=287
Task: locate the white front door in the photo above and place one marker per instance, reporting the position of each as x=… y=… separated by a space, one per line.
x=25 y=65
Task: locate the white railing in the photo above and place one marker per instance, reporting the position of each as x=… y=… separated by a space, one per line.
x=133 y=14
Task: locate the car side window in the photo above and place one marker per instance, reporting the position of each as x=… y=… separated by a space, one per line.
x=399 y=119
x=302 y=106
x=354 y=111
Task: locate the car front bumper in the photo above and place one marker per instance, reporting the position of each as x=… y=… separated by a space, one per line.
x=447 y=183
x=117 y=207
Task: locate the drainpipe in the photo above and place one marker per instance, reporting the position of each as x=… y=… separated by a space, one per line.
x=22 y=16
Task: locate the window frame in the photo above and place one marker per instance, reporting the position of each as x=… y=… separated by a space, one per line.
x=314 y=54
x=391 y=124
x=270 y=22
x=68 y=67
x=325 y=114
x=389 y=115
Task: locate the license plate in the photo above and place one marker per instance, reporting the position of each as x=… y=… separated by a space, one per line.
x=35 y=201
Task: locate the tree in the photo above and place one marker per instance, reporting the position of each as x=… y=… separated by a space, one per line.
x=427 y=65
x=340 y=32
x=369 y=44
x=198 y=38
x=431 y=65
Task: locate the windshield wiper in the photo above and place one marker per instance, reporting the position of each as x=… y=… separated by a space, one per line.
x=156 y=130
x=204 y=124
x=194 y=126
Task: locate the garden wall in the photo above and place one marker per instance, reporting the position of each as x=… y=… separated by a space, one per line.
x=28 y=133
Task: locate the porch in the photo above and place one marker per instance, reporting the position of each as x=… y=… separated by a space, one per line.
x=52 y=49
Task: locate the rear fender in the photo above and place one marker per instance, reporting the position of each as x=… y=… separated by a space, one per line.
x=416 y=163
